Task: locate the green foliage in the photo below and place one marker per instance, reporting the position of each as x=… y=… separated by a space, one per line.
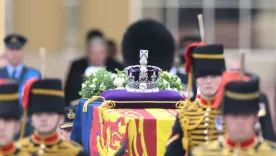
x=103 y=80
x=167 y=81
x=97 y=82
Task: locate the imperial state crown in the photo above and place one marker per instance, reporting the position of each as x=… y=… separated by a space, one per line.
x=143 y=77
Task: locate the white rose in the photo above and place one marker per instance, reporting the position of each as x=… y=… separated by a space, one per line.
x=113 y=76
x=118 y=82
x=95 y=80
x=92 y=86
x=102 y=87
x=83 y=85
x=178 y=80
x=165 y=82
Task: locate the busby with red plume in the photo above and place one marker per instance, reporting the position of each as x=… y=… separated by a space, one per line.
x=9 y=100
x=205 y=59
x=238 y=94
x=202 y=60
x=43 y=95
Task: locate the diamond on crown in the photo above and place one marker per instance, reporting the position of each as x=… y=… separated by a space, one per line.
x=143 y=77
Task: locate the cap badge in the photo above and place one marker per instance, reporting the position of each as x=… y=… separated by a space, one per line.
x=71 y=114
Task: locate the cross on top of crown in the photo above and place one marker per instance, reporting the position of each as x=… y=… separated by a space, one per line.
x=144 y=54
x=143 y=58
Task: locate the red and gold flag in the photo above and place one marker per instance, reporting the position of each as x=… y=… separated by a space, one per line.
x=147 y=131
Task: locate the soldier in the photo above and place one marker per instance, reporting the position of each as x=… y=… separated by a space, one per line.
x=265 y=121
x=15 y=70
x=240 y=107
x=44 y=102
x=199 y=121
x=9 y=120
x=66 y=127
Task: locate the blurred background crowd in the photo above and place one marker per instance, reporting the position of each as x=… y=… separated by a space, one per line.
x=80 y=36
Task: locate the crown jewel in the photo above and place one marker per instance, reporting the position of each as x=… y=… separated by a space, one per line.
x=142 y=78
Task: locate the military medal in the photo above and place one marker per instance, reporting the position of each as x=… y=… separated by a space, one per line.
x=219 y=126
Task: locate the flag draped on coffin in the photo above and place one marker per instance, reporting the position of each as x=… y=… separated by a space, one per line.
x=82 y=124
x=147 y=131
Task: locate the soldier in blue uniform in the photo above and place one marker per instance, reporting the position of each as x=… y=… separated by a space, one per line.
x=15 y=70
x=239 y=98
x=9 y=119
x=66 y=127
x=43 y=100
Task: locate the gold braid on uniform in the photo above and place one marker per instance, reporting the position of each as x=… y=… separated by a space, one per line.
x=198 y=124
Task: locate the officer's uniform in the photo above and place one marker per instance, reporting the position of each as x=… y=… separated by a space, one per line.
x=199 y=121
x=239 y=97
x=21 y=73
x=69 y=114
x=47 y=96
x=9 y=109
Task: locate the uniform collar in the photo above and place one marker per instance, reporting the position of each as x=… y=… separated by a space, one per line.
x=49 y=140
x=11 y=69
x=9 y=149
x=204 y=101
x=246 y=144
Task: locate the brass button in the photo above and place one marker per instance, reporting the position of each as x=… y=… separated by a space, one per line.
x=40 y=152
x=42 y=146
x=208 y=109
x=206 y=119
x=206 y=114
x=205 y=131
x=206 y=138
x=206 y=124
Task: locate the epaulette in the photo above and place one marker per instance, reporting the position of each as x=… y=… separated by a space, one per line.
x=190 y=105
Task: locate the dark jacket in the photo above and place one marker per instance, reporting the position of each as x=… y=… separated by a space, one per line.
x=266 y=121
x=76 y=76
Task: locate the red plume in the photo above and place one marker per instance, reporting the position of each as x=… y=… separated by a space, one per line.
x=4 y=81
x=27 y=91
x=188 y=57
x=227 y=77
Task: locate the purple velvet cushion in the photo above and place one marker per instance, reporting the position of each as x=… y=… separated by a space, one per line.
x=123 y=95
